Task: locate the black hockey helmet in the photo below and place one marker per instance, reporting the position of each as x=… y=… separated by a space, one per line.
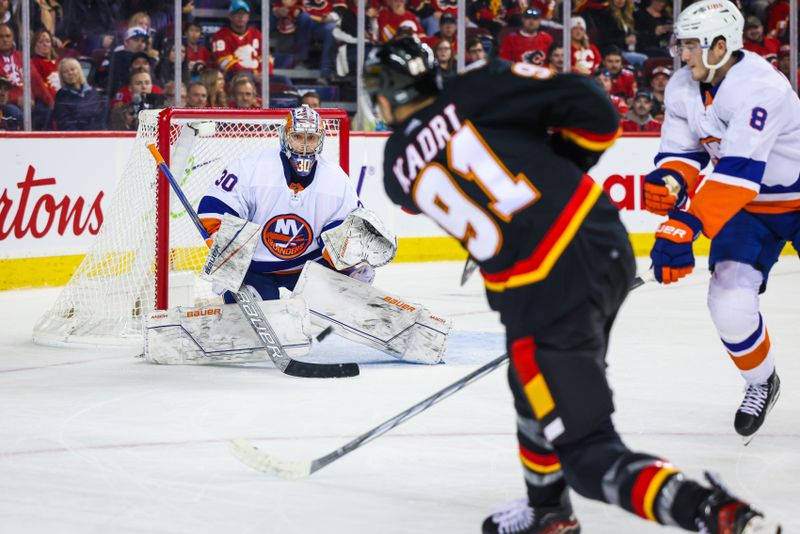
x=402 y=70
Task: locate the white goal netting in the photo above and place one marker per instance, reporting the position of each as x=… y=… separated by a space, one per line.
x=146 y=255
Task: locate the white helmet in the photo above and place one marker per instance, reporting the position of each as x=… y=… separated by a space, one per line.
x=708 y=19
x=301 y=137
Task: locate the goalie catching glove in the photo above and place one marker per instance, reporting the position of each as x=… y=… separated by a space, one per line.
x=362 y=237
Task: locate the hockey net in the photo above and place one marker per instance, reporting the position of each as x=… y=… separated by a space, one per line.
x=148 y=253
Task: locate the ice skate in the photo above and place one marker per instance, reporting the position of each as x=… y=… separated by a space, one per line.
x=518 y=517
x=722 y=513
x=758 y=401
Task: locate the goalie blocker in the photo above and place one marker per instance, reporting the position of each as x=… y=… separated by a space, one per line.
x=322 y=298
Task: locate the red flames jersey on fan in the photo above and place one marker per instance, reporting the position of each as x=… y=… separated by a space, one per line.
x=48 y=70
x=389 y=21
x=588 y=57
x=233 y=52
x=629 y=125
x=527 y=48
x=619 y=104
x=768 y=47
x=317 y=9
x=201 y=55
x=11 y=66
x=623 y=84
x=123 y=96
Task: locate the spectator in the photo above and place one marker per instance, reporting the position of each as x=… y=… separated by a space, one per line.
x=141 y=19
x=7 y=16
x=756 y=41
x=141 y=83
x=476 y=55
x=197 y=55
x=603 y=78
x=140 y=61
x=447 y=32
x=785 y=60
x=78 y=106
x=10 y=115
x=166 y=67
x=286 y=16
x=623 y=82
x=316 y=23
x=529 y=44
x=135 y=42
x=393 y=17
x=44 y=60
x=11 y=67
x=236 y=48
x=244 y=94
x=169 y=95
x=658 y=84
x=555 y=58
x=654 y=28
x=615 y=26
x=491 y=15
x=445 y=61
x=639 y=118
x=585 y=56
x=215 y=87
x=196 y=95
x=311 y=99
x=778 y=19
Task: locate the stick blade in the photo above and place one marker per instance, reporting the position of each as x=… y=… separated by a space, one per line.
x=253 y=457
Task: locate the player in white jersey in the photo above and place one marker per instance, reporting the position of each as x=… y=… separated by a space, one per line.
x=731 y=107
x=293 y=193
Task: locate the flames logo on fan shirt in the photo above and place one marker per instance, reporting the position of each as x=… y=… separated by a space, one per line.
x=287 y=236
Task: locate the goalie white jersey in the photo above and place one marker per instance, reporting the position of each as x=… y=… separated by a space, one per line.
x=749 y=126
x=256 y=188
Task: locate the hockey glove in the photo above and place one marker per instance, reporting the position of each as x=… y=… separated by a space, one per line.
x=664 y=189
x=672 y=253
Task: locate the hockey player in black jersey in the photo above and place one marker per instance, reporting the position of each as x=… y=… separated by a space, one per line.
x=497 y=158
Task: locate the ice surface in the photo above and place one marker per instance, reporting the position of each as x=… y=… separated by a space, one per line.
x=97 y=441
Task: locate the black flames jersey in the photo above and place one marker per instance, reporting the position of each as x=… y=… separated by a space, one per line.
x=498 y=161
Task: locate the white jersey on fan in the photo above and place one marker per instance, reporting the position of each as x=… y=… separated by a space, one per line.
x=750 y=128
x=255 y=188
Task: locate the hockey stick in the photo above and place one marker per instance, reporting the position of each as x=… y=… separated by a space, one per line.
x=469 y=267
x=252 y=456
x=360 y=182
x=252 y=311
x=648 y=276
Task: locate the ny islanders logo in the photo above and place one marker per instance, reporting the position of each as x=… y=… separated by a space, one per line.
x=287 y=236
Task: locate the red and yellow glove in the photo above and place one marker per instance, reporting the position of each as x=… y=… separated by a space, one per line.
x=672 y=254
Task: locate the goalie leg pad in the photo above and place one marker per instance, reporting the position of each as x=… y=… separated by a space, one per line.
x=221 y=334
x=367 y=315
x=361 y=237
x=230 y=255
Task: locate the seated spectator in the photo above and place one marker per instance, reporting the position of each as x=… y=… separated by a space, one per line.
x=476 y=55
x=395 y=15
x=490 y=14
x=141 y=83
x=10 y=115
x=197 y=55
x=11 y=67
x=196 y=95
x=603 y=78
x=654 y=28
x=236 y=48
x=288 y=10
x=169 y=95
x=428 y=13
x=215 y=87
x=78 y=106
x=311 y=99
x=447 y=32
x=529 y=44
x=658 y=84
x=135 y=42
x=785 y=61
x=639 y=119
x=555 y=58
x=165 y=72
x=585 y=56
x=778 y=19
x=141 y=19
x=7 y=15
x=316 y=23
x=755 y=40
x=445 y=61
x=44 y=60
x=615 y=26
x=243 y=91
x=623 y=81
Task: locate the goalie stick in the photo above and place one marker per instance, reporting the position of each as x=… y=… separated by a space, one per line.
x=252 y=456
x=252 y=311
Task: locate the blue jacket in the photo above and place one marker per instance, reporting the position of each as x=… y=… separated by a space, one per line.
x=80 y=109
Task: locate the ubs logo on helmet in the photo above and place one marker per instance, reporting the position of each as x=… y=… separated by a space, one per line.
x=287 y=236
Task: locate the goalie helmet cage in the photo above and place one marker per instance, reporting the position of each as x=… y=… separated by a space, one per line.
x=148 y=254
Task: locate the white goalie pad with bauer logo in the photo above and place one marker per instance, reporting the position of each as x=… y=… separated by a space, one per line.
x=367 y=315
x=362 y=237
x=221 y=334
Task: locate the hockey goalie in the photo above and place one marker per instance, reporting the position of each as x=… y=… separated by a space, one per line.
x=287 y=218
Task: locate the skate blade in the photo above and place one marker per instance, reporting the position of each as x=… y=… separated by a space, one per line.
x=759 y=525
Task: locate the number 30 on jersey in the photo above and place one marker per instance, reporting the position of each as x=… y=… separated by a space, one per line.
x=437 y=194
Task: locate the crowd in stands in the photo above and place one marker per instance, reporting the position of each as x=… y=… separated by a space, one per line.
x=94 y=65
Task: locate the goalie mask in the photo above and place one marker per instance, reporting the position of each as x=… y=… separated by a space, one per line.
x=302 y=137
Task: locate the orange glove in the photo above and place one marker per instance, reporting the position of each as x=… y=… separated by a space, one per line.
x=664 y=189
